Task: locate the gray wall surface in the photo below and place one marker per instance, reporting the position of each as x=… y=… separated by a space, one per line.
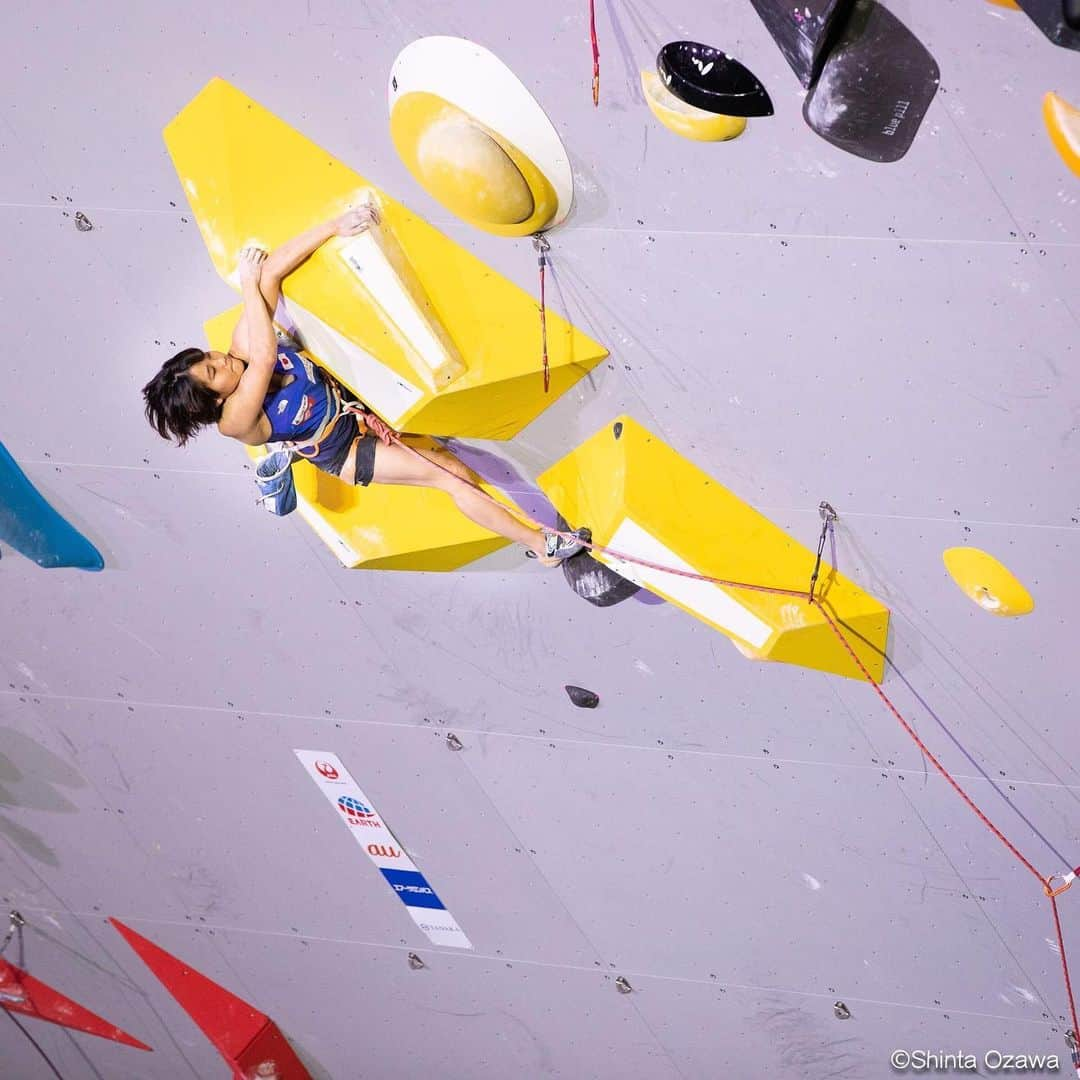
x=744 y=843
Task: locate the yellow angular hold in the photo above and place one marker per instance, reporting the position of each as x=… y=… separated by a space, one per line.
x=251 y=178
x=642 y=498
x=380 y=527
x=987 y=582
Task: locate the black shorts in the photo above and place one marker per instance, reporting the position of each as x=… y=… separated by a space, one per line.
x=333 y=459
x=365 y=459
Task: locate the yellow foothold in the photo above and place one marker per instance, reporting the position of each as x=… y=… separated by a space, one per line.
x=987 y=582
x=687 y=120
x=1063 y=124
x=1012 y=4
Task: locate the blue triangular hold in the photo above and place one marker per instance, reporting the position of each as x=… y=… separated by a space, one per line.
x=31 y=526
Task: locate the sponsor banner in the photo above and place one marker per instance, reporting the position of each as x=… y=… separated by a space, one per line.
x=361 y=818
x=440 y=927
x=413 y=888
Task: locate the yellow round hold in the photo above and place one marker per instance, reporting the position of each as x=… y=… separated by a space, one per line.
x=687 y=120
x=987 y=582
x=476 y=139
x=1063 y=123
x=474 y=172
x=468 y=171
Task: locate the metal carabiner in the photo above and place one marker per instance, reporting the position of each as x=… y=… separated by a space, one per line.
x=1068 y=879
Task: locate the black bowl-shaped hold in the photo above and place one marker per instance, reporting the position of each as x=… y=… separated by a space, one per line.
x=703 y=76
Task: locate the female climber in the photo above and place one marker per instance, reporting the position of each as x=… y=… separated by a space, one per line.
x=261 y=391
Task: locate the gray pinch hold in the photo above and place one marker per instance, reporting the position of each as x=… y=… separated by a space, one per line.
x=582 y=698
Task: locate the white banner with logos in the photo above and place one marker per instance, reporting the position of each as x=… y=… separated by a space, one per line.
x=371 y=833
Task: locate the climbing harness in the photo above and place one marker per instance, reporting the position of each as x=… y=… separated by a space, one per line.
x=273 y=474
x=542 y=247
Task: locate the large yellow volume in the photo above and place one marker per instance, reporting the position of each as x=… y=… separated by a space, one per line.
x=643 y=499
x=384 y=526
x=251 y=178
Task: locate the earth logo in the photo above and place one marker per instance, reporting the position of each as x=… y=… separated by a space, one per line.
x=356 y=813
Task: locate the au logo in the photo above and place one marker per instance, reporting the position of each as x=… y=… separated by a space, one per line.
x=385 y=851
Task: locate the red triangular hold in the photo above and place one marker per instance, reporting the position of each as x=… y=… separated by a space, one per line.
x=24 y=994
x=248 y=1039
x=229 y=1022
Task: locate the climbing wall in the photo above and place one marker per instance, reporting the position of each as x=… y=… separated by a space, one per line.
x=685 y=880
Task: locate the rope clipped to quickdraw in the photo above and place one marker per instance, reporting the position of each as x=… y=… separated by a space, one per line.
x=1047 y=882
x=1073 y=1048
x=542 y=247
x=595 y=54
x=17 y=922
x=828 y=516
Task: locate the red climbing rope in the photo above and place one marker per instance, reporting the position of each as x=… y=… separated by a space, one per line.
x=595 y=54
x=1046 y=882
x=388 y=435
x=376 y=425
x=1065 y=969
x=921 y=745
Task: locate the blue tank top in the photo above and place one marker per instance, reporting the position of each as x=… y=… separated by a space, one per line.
x=296 y=411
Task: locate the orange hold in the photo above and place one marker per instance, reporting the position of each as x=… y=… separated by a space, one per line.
x=1063 y=124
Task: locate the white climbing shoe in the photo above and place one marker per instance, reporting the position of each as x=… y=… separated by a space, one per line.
x=559 y=546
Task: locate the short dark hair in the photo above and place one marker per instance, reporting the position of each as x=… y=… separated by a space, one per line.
x=176 y=405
